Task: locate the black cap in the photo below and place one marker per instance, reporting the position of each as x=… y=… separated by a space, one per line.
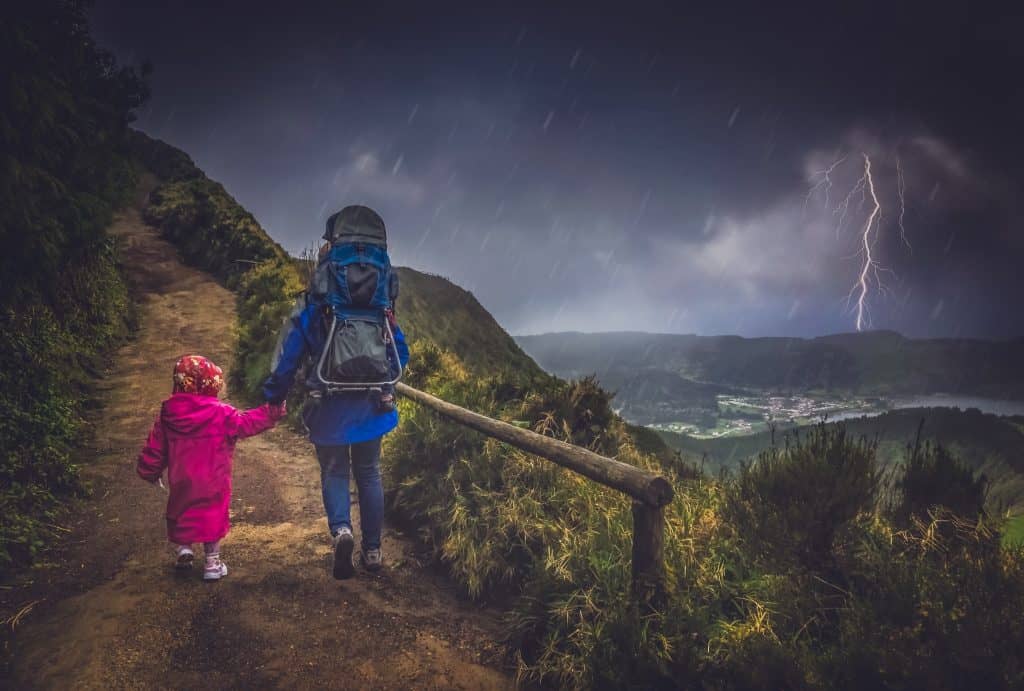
x=356 y=224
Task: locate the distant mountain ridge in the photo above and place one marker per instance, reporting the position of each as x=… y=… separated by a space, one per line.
x=869 y=363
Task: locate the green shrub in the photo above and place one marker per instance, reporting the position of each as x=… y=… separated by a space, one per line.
x=65 y=167
x=931 y=476
x=792 y=502
x=266 y=295
x=937 y=606
x=163 y=160
x=210 y=228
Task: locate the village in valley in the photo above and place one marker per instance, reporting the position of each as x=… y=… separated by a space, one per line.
x=740 y=415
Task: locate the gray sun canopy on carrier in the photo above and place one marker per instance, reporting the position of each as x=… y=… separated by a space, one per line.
x=356 y=224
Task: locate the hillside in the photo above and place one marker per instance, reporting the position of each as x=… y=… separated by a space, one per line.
x=873 y=364
x=988 y=444
x=435 y=309
x=215 y=233
x=651 y=395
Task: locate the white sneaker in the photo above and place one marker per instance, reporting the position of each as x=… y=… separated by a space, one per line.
x=183 y=557
x=343 y=544
x=215 y=569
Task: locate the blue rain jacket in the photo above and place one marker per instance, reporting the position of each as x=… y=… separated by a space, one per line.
x=340 y=418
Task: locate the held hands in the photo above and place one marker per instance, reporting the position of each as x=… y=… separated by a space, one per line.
x=277 y=412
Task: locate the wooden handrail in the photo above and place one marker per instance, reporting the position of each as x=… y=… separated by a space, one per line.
x=649 y=491
x=636 y=482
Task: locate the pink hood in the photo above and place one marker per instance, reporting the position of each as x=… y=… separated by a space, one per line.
x=189 y=413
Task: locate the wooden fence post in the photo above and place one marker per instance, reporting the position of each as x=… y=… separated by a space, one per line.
x=650 y=492
x=648 y=556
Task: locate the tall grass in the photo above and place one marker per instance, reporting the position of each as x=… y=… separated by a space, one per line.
x=789 y=574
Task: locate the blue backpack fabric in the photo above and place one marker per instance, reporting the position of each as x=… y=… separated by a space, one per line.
x=356 y=278
x=357 y=288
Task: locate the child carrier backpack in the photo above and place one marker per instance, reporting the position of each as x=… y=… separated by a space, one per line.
x=356 y=288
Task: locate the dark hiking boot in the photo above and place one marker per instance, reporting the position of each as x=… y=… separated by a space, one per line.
x=343 y=544
x=373 y=560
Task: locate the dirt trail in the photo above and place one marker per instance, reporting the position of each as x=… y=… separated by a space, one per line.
x=111 y=612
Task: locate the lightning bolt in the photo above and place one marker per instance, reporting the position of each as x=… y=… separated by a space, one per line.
x=824 y=183
x=870 y=270
x=901 y=188
x=874 y=220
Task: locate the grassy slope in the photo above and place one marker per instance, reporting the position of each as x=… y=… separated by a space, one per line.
x=1013 y=536
x=434 y=309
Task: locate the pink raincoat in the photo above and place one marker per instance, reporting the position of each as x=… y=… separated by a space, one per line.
x=194 y=439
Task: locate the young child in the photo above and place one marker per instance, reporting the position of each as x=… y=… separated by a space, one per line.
x=194 y=438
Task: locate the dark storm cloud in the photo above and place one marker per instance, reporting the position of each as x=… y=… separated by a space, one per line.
x=643 y=169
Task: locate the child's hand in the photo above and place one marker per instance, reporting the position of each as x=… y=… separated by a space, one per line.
x=277 y=411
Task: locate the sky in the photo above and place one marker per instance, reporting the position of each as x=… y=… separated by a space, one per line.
x=638 y=167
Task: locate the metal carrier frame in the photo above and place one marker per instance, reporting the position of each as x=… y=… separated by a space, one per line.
x=333 y=387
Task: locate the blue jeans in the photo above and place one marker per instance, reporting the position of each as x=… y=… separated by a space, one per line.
x=364 y=459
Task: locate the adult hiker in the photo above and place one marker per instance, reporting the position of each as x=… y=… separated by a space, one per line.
x=343 y=331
